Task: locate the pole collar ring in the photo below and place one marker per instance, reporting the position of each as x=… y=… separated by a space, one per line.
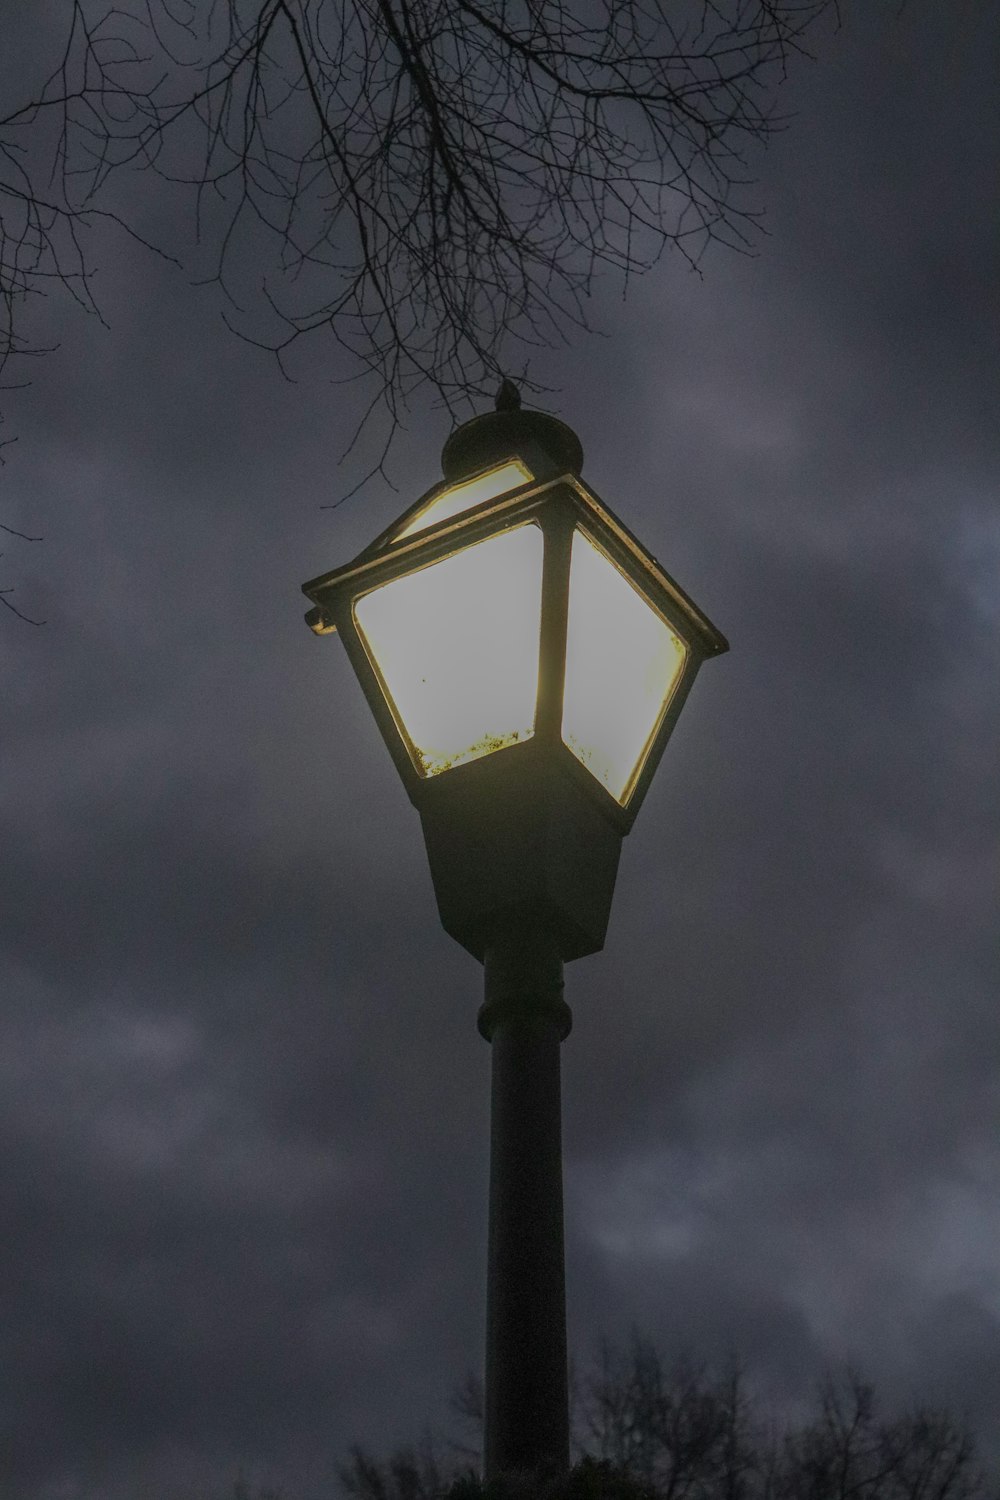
x=525 y=1010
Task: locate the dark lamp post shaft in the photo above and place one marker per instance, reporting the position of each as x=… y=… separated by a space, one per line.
x=525 y=1018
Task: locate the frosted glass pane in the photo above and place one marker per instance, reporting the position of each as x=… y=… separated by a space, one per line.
x=623 y=662
x=457 y=644
x=459 y=497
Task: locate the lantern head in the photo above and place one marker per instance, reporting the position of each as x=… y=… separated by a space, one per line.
x=526 y=660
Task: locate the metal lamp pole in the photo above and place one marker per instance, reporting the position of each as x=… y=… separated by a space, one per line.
x=524 y=803
x=525 y=1019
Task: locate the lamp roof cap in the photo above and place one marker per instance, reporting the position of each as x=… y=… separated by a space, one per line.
x=510 y=432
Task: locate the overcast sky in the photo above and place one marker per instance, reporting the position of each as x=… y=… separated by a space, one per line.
x=243 y=1101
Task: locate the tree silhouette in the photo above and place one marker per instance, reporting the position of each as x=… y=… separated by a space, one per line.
x=418 y=179
x=644 y=1430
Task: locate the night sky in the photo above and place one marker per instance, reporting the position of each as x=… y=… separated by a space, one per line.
x=243 y=1101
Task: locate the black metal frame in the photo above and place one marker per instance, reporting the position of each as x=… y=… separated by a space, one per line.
x=558 y=507
x=529 y=823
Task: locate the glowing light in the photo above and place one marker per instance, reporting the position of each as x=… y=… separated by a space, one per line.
x=457 y=645
x=458 y=497
x=623 y=662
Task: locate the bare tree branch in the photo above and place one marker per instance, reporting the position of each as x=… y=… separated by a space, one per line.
x=425 y=182
x=422 y=179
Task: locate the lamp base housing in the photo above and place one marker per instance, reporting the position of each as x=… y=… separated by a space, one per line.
x=514 y=835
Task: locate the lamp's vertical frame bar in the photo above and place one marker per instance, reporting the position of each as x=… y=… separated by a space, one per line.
x=558 y=530
x=393 y=733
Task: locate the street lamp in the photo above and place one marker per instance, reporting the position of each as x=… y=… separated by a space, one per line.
x=526 y=660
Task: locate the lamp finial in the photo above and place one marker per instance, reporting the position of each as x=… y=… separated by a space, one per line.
x=508 y=397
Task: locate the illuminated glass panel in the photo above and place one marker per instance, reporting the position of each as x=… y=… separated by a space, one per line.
x=457 y=645
x=623 y=662
x=458 y=497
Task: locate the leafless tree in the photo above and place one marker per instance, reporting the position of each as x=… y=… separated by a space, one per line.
x=419 y=179
x=684 y=1433
x=408 y=1474
x=850 y=1452
x=424 y=181
x=647 y=1430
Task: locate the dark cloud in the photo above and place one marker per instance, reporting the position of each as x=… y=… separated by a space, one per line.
x=244 y=1104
